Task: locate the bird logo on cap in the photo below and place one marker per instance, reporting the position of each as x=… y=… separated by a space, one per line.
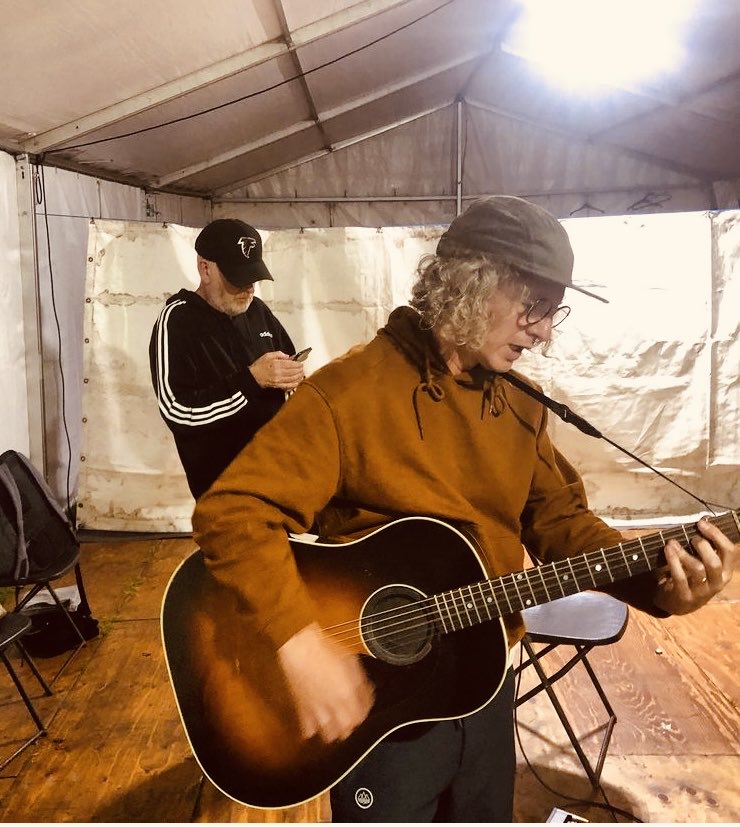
x=247 y=243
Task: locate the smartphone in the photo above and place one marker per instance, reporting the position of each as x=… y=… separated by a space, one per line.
x=301 y=355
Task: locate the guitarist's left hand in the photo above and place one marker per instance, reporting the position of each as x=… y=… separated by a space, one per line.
x=689 y=582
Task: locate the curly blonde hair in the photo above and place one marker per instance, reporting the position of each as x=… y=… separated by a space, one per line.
x=451 y=294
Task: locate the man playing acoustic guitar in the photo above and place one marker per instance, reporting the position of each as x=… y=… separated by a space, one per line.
x=419 y=422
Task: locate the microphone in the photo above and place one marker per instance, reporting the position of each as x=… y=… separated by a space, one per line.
x=567 y=415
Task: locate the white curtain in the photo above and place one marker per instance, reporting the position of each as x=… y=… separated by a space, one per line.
x=656 y=370
x=332 y=289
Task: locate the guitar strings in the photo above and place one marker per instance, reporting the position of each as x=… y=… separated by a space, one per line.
x=395 y=622
x=459 y=602
x=404 y=625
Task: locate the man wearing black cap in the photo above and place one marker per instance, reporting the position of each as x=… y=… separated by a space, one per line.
x=421 y=421
x=219 y=358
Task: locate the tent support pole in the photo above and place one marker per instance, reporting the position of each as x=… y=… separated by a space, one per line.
x=458 y=149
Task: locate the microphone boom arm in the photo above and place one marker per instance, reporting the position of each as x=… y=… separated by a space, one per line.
x=567 y=415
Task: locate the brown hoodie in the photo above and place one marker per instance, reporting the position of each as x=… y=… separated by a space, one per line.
x=384 y=432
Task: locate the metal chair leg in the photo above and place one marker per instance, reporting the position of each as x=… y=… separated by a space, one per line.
x=546 y=684
x=55 y=597
x=40 y=727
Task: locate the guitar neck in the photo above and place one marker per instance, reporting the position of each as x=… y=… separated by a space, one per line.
x=488 y=599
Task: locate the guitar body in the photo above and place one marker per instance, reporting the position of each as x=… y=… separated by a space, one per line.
x=233 y=700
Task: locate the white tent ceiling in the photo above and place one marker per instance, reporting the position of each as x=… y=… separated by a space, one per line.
x=341 y=100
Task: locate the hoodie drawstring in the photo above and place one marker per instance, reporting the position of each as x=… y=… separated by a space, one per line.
x=493 y=392
x=429 y=386
x=494 y=396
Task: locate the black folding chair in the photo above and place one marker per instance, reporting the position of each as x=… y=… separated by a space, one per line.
x=582 y=621
x=13 y=627
x=38 y=544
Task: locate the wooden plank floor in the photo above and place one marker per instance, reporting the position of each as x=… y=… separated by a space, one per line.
x=116 y=751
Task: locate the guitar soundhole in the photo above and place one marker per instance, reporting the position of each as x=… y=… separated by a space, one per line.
x=396 y=626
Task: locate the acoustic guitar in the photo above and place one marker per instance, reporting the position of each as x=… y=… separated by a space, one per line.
x=412 y=599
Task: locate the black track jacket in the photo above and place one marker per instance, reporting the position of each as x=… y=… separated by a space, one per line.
x=199 y=359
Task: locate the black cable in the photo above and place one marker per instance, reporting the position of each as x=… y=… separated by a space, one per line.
x=40 y=195
x=567 y=415
x=611 y=808
x=263 y=91
x=41 y=198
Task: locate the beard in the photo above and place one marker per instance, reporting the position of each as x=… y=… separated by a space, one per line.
x=232 y=305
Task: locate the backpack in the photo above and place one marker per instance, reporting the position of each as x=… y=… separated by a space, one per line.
x=13 y=553
x=35 y=534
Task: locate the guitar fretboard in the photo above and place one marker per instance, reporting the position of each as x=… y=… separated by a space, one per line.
x=488 y=599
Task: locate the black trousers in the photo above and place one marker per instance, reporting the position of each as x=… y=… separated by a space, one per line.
x=457 y=771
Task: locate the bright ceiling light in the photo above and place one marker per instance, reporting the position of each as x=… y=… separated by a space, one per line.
x=582 y=44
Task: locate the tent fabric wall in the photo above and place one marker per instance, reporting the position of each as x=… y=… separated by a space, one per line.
x=63 y=218
x=655 y=370
x=680 y=330
x=333 y=289
x=644 y=369
x=14 y=410
x=726 y=340
x=68 y=202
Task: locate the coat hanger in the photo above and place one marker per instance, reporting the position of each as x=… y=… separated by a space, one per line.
x=649 y=200
x=587 y=206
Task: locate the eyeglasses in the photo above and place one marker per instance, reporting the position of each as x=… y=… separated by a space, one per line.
x=543 y=309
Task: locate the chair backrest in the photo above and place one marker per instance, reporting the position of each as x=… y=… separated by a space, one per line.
x=34 y=531
x=13 y=556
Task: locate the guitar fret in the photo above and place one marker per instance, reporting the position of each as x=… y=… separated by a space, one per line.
x=686 y=535
x=465 y=606
x=588 y=567
x=441 y=616
x=558 y=579
x=449 y=613
x=506 y=594
x=495 y=599
x=522 y=575
x=521 y=602
x=634 y=556
x=474 y=604
x=485 y=602
x=544 y=585
x=619 y=565
x=457 y=611
x=626 y=562
x=642 y=546
x=608 y=570
x=565 y=577
x=532 y=600
x=575 y=579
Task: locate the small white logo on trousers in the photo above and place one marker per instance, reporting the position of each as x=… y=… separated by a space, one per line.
x=364 y=798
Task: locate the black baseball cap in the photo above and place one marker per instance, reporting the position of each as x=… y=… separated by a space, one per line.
x=517 y=232
x=237 y=249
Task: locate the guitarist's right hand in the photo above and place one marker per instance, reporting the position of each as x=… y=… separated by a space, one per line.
x=332 y=692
